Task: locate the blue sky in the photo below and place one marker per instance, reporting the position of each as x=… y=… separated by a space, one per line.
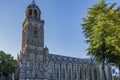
x=63 y=19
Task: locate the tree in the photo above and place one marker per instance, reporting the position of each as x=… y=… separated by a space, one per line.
x=7 y=64
x=102 y=30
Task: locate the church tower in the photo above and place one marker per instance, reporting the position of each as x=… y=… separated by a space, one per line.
x=33 y=28
x=32 y=60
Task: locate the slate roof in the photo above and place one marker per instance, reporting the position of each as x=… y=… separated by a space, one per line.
x=66 y=59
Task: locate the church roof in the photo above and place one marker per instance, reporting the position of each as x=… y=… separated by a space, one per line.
x=66 y=59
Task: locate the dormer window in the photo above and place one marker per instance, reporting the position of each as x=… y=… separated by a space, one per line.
x=30 y=12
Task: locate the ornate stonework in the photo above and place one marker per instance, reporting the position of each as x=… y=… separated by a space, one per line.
x=36 y=63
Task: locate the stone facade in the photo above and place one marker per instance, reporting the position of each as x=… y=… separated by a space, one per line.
x=36 y=63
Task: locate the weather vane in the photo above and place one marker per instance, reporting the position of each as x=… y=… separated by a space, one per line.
x=33 y=2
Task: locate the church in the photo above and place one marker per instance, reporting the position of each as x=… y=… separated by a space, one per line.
x=36 y=63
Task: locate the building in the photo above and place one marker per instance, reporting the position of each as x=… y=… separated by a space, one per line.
x=36 y=63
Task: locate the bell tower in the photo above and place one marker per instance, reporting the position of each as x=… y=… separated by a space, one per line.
x=33 y=28
x=32 y=61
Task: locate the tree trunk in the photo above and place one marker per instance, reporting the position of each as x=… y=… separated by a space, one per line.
x=103 y=68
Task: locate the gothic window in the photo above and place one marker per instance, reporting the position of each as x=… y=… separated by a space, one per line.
x=35 y=12
x=30 y=12
x=90 y=74
x=75 y=74
x=63 y=73
x=52 y=71
x=35 y=32
x=95 y=74
x=85 y=73
x=80 y=72
x=69 y=73
x=57 y=73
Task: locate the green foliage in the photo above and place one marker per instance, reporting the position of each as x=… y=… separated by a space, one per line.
x=102 y=30
x=7 y=64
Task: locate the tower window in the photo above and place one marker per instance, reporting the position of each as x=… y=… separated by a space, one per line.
x=35 y=32
x=30 y=12
x=35 y=12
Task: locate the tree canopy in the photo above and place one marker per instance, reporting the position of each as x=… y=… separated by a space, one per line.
x=101 y=28
x=7 y=64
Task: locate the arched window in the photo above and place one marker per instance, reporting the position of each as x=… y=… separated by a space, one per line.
x=80 y=72
x=30 y=12
x=69 y=73
x=75 y=74
x=95 y=74
x=90 y=73
x=57 y=73
x=35 y=32
x=85 y=73
x=63 y=73
x=35 y=12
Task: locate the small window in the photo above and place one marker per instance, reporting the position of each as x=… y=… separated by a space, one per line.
x=30 y=12
x=35 y=12
x=35 y=32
